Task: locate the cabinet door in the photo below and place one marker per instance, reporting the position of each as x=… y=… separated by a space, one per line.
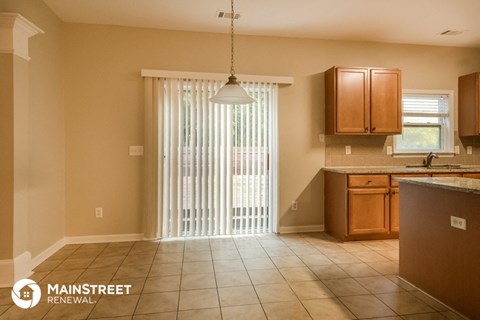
x=385 y=101
x=368 y=210
x=469 y=105
x=394 y=210
x=352 y=100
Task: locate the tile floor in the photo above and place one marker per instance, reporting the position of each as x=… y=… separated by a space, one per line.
x=299 y=276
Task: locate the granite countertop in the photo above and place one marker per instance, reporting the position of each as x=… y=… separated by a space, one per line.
x=448 y=183
x=401 y=169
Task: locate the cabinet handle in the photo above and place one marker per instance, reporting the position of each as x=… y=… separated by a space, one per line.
x=394 y=192
x=366 y=129
x=373 y=129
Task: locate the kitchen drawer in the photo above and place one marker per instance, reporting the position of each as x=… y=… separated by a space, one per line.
x=366 y=181
x=472 y=175
x=420 y=175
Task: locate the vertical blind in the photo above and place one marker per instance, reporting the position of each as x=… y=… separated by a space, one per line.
x=216 y=176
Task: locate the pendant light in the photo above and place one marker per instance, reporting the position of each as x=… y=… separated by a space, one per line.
x=232 y=92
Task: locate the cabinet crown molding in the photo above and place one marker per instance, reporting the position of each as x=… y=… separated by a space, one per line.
x=15 y=30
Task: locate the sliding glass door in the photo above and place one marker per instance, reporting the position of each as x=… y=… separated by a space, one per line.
x=219 y=165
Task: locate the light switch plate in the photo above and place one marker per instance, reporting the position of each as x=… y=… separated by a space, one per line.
x=389 y=150
x=469 y=150
x=135 y=150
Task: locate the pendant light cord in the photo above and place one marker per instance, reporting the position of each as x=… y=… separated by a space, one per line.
x=232 y=69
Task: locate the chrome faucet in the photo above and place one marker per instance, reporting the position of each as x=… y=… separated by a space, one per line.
x=429 y=159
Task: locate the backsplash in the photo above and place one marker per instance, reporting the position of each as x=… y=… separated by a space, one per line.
x=372 y=151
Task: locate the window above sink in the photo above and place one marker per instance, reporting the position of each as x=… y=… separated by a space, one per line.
x=427 y=121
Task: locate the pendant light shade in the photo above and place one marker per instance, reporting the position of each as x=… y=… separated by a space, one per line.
x=232 y=92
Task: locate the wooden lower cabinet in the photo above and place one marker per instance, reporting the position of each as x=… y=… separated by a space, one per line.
x=394 y=210
x=395 y=197
x=366 y=206
x=471 y=175
x=357 y=207
x=368 y=211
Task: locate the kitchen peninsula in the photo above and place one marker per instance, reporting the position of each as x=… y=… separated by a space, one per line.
x=440 y=239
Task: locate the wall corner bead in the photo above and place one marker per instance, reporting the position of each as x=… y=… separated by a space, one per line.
x=15 y=30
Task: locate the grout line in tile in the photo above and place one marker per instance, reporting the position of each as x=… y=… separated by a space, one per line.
x=146 y=277
x=248 y=274
x=118 y=267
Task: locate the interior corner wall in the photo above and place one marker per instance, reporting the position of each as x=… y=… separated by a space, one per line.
x=39 y=133
x=20 y=156
x=6 y=156
x=46 y=223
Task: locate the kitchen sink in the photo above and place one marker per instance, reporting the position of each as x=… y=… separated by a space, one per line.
x=446 y=166
x=435 y=166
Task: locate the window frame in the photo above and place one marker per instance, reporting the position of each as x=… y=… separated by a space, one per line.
x=446 y=125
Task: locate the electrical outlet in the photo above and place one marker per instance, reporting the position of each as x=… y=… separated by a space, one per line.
x=389 y=150
x=294 y=205
x=348 y=149
x=98 y=212
x=321 y=138
x=469 y=150
x=457 y=149
x=458 y=223
x=135 y=150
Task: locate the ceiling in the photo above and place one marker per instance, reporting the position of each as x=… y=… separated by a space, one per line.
x=392 y=21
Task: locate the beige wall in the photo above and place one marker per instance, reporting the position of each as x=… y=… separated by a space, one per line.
x=104 y=108
x=39 y=197
x=20 y=156
x=6 y=156
x=46 y=132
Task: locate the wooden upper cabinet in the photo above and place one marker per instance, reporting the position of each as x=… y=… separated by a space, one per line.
x=469 y=105
x=352 y=101
x=362 y=101
x=386 y=101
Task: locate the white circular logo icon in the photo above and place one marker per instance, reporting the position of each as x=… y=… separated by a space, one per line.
x=26 y=293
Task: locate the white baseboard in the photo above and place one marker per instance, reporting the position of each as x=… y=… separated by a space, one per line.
x=6 y=273
x=15 y=269
x=309 y=228
x=42 y=256
x=22 y=265
x=104 y=238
